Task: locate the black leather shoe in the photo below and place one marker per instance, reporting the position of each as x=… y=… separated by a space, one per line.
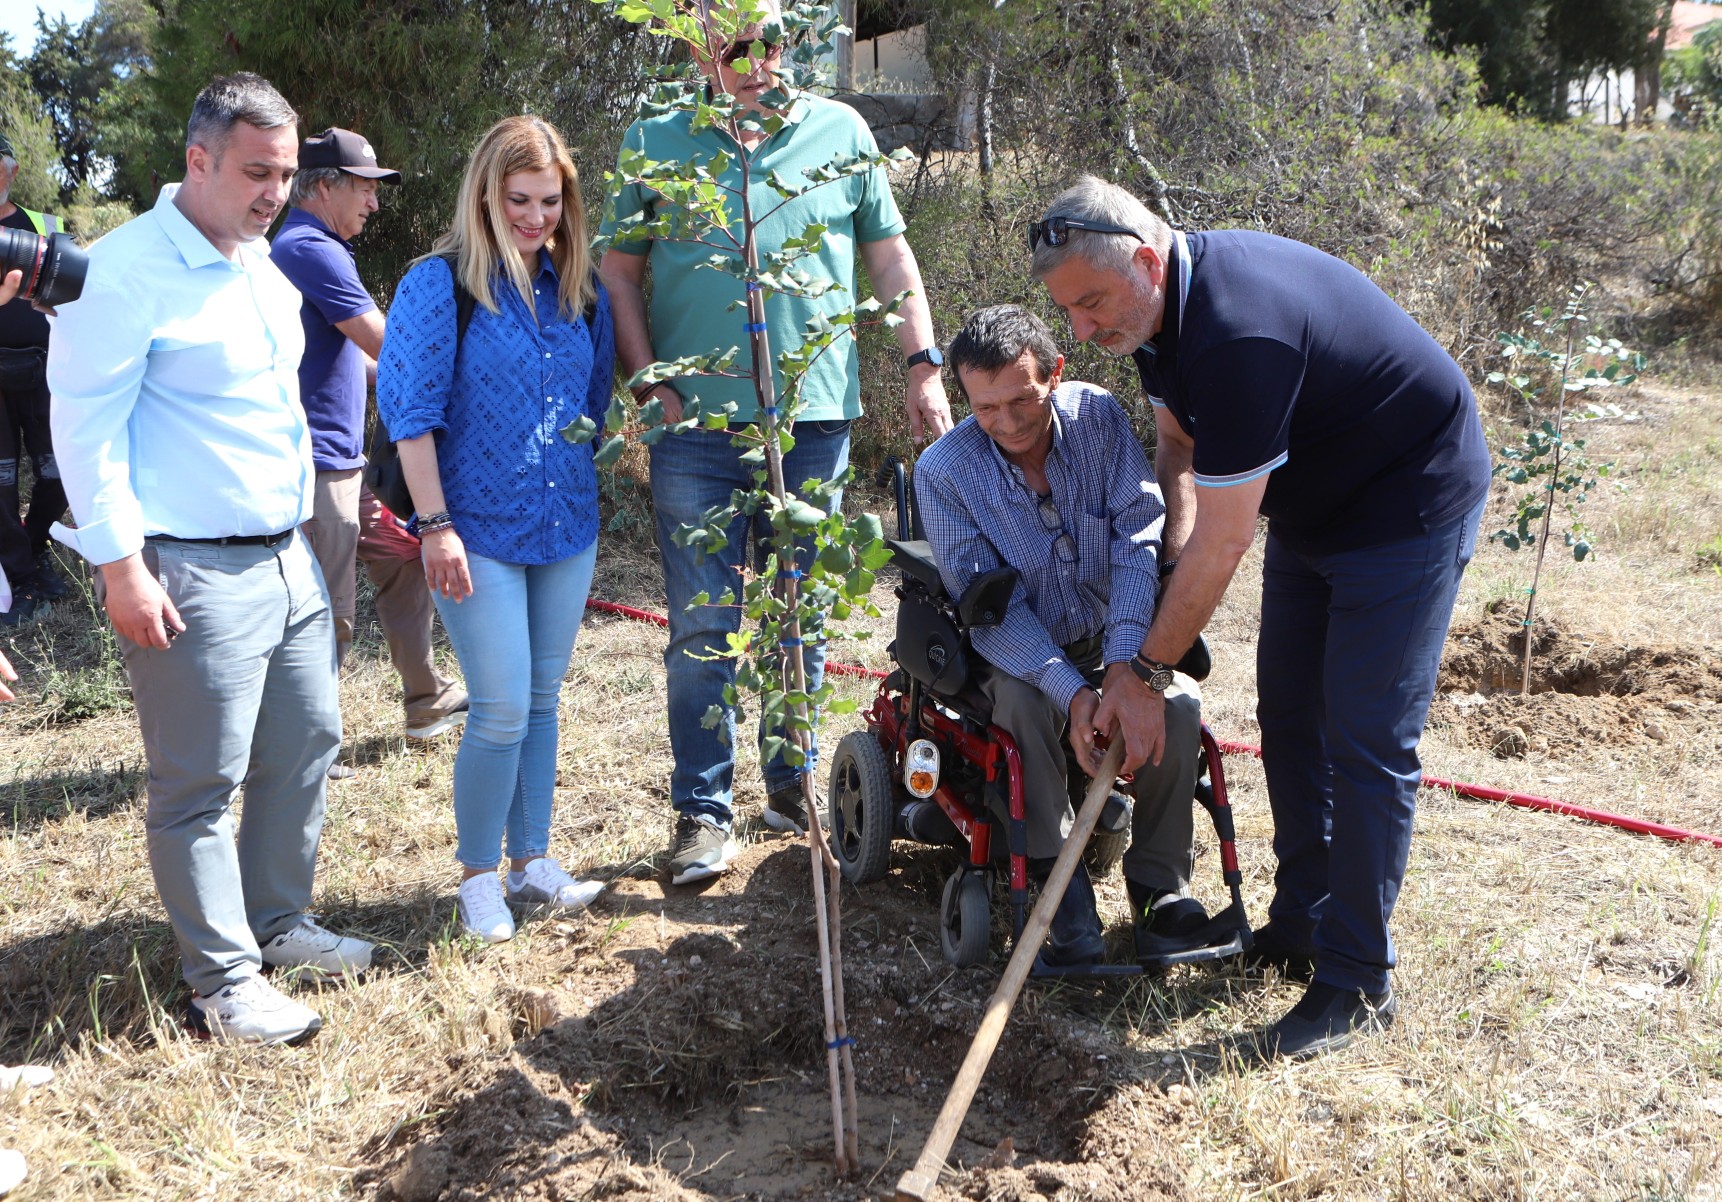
x=1271 y=949
x=1075 y=938
x=1326 y=1019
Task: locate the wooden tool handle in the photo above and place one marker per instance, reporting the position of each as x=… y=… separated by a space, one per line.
x=917 y=1184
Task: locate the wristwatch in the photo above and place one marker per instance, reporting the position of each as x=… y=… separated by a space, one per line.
x=1153 y=673
x=931 y=354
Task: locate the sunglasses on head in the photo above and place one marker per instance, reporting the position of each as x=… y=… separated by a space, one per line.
x=1055 y=231
x=742 y=48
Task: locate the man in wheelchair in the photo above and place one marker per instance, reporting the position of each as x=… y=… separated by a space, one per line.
x=1049 y=478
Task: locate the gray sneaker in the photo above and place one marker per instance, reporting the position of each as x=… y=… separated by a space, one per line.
x=702 y=849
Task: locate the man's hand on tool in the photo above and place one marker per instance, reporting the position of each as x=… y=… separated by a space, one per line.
x=1082 y=732
x=1128 y=705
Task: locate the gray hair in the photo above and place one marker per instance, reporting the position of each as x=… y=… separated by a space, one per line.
x=995 y=337
x=1091 y=199
x=230 y=99
x=306 y=184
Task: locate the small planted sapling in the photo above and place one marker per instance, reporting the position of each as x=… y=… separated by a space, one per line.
x=1553 y=470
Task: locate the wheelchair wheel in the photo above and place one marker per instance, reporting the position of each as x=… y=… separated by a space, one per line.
x=861 y=808
x=1105 y=850
x=965 y=913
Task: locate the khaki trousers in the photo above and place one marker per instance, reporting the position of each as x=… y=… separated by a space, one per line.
x=1161 y=825
x=348 y=525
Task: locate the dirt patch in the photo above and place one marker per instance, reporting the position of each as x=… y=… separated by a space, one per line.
x=1584 y=692
x=680 y=1057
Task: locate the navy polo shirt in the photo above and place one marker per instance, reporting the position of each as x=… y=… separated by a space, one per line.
x=320 y=264
x=1277 y=358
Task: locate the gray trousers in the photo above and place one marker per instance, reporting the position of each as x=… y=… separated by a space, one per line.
x=246 y=696
x=1161 y=828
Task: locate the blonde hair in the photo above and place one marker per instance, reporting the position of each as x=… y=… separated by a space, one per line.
x=478 y=236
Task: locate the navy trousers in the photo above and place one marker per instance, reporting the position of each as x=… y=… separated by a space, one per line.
x=1346 y=665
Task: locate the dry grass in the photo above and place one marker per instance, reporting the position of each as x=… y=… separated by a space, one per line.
x=1560 y=1036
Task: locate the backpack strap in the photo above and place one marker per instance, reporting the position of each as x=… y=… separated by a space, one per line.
x=464 y=301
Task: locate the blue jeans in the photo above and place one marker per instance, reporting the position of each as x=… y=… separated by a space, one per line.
x=1345 y=668
x=691 y=473
x=513 y=636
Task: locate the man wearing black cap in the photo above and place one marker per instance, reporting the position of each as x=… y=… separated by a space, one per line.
x=24 y=553
x=333 y=196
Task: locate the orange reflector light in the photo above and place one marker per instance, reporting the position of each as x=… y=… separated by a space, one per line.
x=921 y=768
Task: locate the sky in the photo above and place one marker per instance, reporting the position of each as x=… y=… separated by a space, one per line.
x=18 y=18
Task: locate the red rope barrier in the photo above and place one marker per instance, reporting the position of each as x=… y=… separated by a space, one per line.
x=1528 y=801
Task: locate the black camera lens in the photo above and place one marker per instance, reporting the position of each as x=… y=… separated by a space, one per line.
x=53 y=266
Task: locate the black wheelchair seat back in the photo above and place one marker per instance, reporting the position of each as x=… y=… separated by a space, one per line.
x=932 y=643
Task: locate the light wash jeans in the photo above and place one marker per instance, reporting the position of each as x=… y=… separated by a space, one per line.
x=514 y=637
x=691 y=473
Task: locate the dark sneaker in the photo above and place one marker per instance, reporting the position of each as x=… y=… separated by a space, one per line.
x=1273 y=950
x=44 y=584
x=24 y=610
x=702 y=849
x=1326 y=1019
x=785 y=811
x=1075 y=938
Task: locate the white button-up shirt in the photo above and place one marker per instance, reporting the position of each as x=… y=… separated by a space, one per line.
x=176 y=391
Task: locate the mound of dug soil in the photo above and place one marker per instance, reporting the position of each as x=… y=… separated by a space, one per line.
x=1584 y=692
x=680 y=1057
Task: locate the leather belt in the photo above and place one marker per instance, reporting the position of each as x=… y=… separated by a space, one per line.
x=232 y=540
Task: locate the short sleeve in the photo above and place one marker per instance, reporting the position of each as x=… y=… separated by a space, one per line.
x=876 y=214
x=628 y=201
x=415 y=374
x=325 y=275
x=1242 y=395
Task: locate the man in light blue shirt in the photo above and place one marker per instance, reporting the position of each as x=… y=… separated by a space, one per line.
x=187 y=462
x=1051 y=479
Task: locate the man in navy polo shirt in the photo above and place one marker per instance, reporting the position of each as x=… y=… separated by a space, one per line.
x=334 y=194
x=1287 y=385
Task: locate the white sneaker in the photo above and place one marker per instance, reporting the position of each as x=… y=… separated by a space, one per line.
x=12 y=1170
x=25 y=1076
x=547 y=885
x=483 y=910
x=252 y=1011
x=310 y=946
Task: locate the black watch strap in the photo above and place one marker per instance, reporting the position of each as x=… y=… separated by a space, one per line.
x=930 y=354
x=1153 y=673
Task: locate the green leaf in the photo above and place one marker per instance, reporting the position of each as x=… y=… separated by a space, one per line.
x=611 y=451
x=580 y=431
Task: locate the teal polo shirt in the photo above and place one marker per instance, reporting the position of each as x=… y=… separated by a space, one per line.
x=697 y=310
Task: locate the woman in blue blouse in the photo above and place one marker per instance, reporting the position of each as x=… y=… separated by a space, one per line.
x=507 y=508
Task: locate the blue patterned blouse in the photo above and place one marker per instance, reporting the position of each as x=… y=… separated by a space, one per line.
x=518 y=491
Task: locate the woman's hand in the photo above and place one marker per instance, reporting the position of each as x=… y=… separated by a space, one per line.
x=6 y=673
x=446 y=571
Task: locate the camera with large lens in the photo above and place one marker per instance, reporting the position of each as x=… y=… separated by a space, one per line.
x=53 y=265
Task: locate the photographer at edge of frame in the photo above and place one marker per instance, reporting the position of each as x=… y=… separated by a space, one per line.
x=24 y=402
x=12 y=1167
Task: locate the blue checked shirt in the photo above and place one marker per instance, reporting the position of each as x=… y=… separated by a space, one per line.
x=1092 y=566
x=518 y=491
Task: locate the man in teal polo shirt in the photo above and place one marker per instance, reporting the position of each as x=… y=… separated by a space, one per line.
x=695 y=312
